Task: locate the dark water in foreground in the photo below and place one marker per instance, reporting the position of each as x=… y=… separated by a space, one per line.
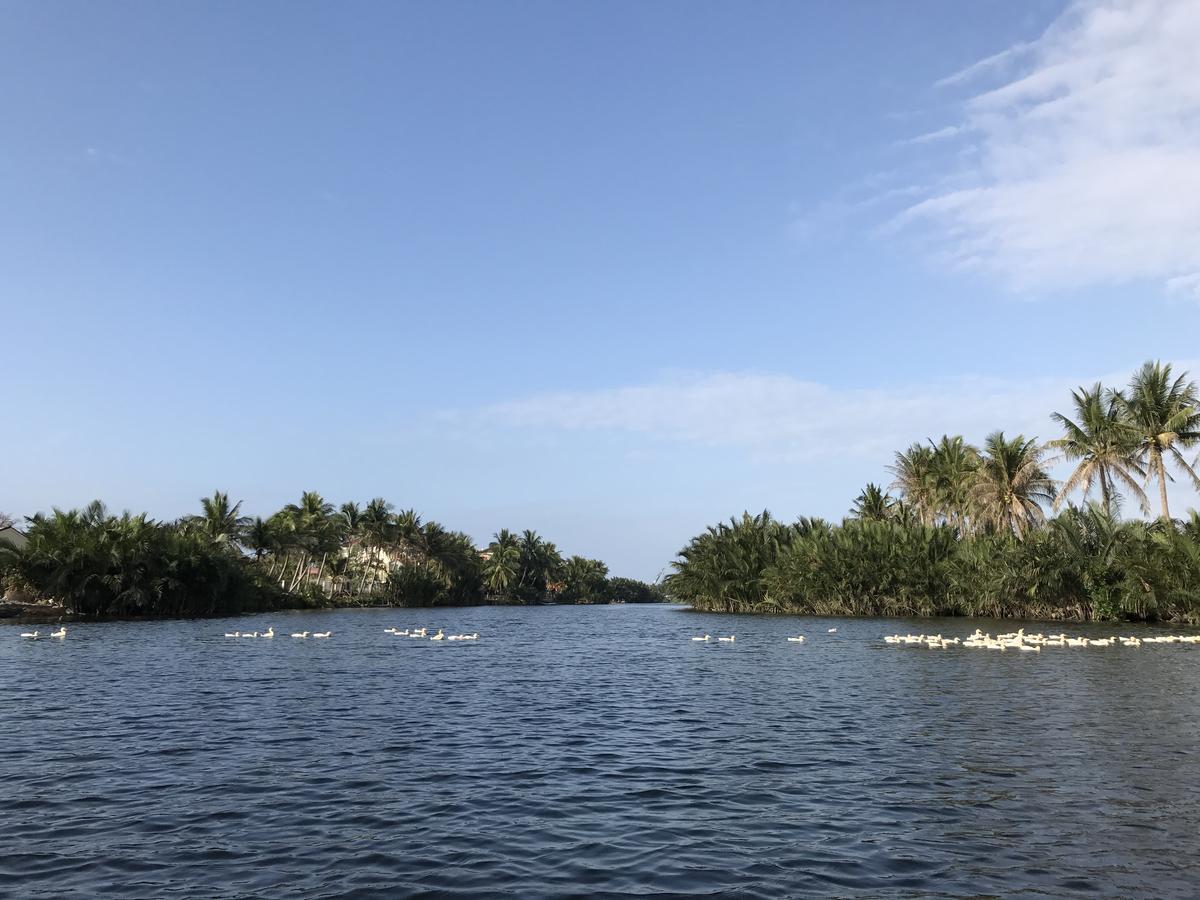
x=590 y=751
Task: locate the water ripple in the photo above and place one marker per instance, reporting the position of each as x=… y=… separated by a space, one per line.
x=589 y=752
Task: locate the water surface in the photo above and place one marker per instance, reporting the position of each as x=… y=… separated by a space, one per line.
x=590 y=751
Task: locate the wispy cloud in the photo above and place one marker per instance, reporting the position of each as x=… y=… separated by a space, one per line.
x=939 y=134
x=988 y=65
x=776 y=418
x=1084 y=168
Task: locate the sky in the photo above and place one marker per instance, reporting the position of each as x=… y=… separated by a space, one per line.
x=613 y=271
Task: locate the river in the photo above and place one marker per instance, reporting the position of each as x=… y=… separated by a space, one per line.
x=591 y=751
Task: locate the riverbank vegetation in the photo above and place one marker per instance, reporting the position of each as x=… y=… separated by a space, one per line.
x=308 y=554
x=974 y=530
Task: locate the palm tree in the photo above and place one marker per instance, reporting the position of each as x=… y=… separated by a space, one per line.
x=1011 y=484
x=259 y=537
x=351 y=516
x=220 y=520
x=408 y=535
x=1101 y=447
x=953 y=465
x=1162 y=417
x=872 y=504
x=916 y=481
x=503 y=558
x=313 y=531
x=378 y=526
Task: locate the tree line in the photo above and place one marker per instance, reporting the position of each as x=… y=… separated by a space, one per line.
x=308 y=553
x=986 y=530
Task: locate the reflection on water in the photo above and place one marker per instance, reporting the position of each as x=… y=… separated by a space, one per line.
x=590 y=751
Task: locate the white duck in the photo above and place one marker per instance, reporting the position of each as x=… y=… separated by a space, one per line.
x=799 y=639
x=32 y=635
x=269 y=633
x=233 y=634
x=321 y=634
x=61 y=633
x=299 y=634
x=705 y=638
x=832 y=631
x=439 y=636
x=728 y=640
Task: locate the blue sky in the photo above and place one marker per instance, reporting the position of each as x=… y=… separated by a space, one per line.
x=612 y=271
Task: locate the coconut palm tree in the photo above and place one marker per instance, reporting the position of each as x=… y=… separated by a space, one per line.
x=501 y=567
x=916 y=481
x=1101 y=447
x=259 y=537
x=1162 y=417
x=953 y=466
x=1011 y=485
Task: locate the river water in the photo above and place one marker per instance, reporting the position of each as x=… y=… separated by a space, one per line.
x=591 y=751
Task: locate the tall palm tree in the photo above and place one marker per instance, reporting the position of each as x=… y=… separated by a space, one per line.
x=916 y=481
x=1162 y=416
x=351 y=516
x=1102 y=448
x=503 y=559
x=953 y=466
x=1011 y=484
x=259 y=537
x=408 y=536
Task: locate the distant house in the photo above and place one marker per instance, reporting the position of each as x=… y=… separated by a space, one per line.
x=12 y=537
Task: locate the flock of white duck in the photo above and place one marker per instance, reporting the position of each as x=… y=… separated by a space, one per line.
x=1013 y=640
x=798 y=639
x=408 y=633
x=1032 y=643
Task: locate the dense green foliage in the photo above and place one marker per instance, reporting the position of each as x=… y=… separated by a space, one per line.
x=103 y=565
x=1083 y=564
x=970 y=533
x=306 y=554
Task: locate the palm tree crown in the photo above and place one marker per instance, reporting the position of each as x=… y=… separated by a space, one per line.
x=1162 y=417
x=1098 y=442
x=1011 y=485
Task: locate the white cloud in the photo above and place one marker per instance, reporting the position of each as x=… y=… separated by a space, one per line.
x=995 y=61
x=940 y=134
x=1084 y=169
x=780 y=418
x=1185 y=286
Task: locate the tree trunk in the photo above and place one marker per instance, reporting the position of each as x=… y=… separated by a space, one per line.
x=1161 y=471
x=1105 y=493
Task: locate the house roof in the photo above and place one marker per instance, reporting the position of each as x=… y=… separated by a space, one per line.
x=12 y=536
